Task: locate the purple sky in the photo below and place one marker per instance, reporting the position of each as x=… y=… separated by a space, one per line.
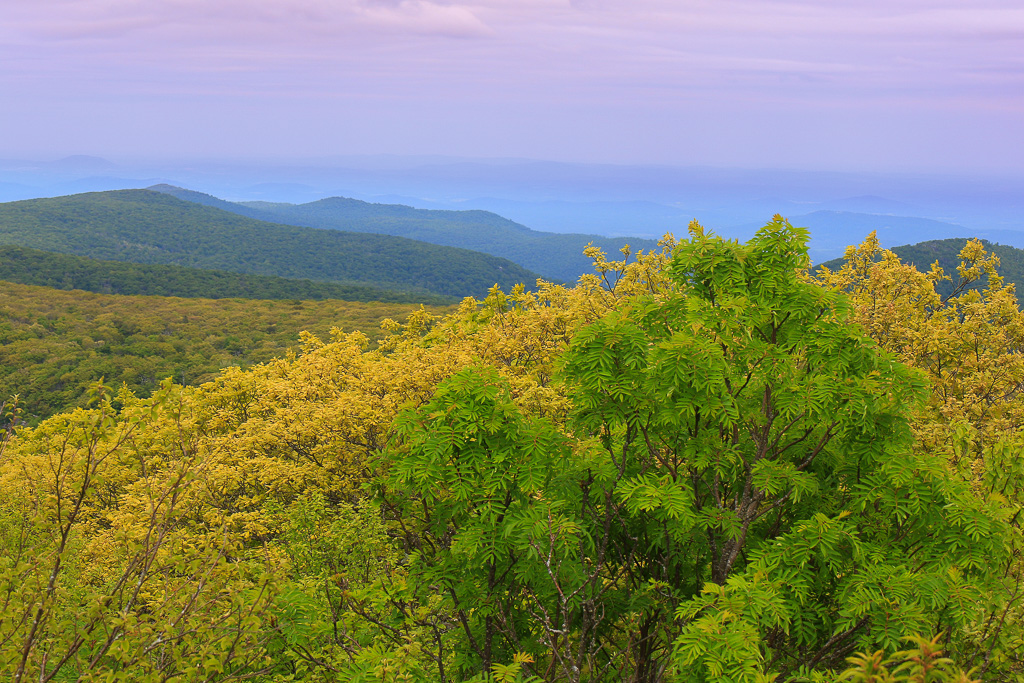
x=865 y=85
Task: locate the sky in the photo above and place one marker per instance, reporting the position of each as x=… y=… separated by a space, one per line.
x=871 y=85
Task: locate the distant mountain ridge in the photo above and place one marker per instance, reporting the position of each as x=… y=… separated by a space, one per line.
x=833 y=231
x=556 y=256
x=833 y=227
x=143 y=226
x=208 y=200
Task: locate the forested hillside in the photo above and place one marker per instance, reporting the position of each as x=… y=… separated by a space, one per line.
x=555 y=256
x=66 y=271
x=701 y=466
x=141 y=226
x=54 y=344
x=947 y=254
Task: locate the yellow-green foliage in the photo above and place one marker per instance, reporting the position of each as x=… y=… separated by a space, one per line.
x=691 y=466
x=970 y=345
x=53 y=343
x=113 y=518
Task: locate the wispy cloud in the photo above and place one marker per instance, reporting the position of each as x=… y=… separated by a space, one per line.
x=61 y=20
x=419 y=16
x=571 y=67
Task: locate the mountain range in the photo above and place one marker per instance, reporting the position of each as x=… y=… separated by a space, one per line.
x=556 y=256
x=389 y=252
x=146 y=227
x=559 y=255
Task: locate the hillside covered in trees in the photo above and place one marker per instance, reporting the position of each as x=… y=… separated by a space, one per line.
x=140 y=226
x=555 y=256
x=65 y=271
x=947 y=254
x=699 y=464
x=54 y=344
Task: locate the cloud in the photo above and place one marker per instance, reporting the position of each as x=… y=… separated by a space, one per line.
x=420 y=16
x=235 y=20
x=964 y=23
x=593 y=51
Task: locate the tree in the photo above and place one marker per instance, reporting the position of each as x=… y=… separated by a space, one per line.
x=763 y=445
x=968 y=344
x=99 y=579
x=694 y=466
x=735 y=496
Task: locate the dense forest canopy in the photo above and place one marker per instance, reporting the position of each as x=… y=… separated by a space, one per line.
x=54 y=344
x=140 y=226
x=27 y=266
x=701 y=463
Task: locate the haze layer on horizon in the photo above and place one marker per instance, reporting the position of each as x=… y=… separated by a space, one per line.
x=900 y=85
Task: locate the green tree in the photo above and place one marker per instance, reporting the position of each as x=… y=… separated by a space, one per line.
x=735 y=497
x=764 y=446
